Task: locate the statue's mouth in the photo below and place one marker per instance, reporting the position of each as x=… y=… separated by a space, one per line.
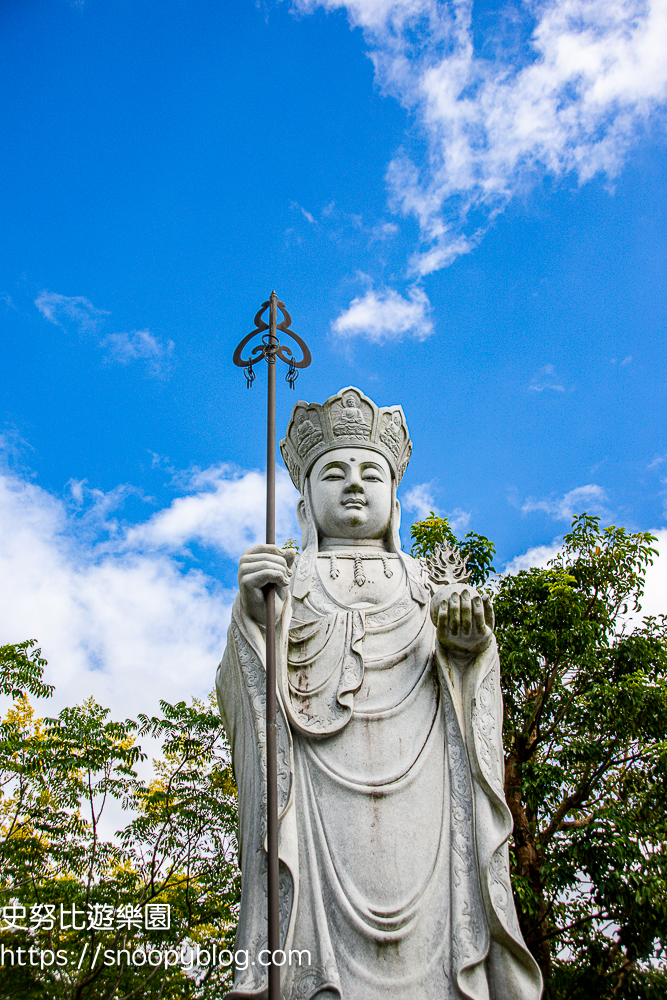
x=354 y=502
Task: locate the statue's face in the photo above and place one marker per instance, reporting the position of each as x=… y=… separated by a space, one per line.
x=351 y=494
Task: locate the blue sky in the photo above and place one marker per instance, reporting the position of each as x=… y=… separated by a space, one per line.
x=465 y=209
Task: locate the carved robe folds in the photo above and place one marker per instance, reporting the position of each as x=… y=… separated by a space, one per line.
x=393 y=824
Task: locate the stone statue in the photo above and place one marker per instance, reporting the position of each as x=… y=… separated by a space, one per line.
x=393 y=824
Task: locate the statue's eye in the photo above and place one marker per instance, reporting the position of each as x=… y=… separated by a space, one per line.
x=372 y=477
x=333 y=475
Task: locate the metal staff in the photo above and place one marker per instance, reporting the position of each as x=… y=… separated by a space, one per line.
x=269 y=350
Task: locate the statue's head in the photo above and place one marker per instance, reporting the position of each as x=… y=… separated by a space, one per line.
x=346 y=457
x=351 y=494
x=348 y=419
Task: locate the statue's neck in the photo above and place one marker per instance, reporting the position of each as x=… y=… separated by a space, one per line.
x=351 y=544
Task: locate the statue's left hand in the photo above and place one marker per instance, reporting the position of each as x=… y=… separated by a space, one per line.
x=464 y=619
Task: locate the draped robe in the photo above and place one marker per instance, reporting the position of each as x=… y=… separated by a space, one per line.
x=393 y=824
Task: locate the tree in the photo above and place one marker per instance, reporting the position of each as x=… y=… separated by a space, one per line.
x=21 y=671
x=477 y=551
x=585 y=689
x=73 y=897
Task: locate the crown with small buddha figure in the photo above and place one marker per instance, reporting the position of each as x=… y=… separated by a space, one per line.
x=347 y=419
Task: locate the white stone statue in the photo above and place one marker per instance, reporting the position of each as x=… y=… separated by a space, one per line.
x=393 y=823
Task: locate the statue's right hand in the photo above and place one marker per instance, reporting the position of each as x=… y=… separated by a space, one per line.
x=261 y=565
x=463 y=618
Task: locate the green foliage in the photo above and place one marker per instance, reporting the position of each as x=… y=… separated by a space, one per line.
x=585 y=688
x=585 y=736
x=21 y=671
x=59 y=778
x=477 y=550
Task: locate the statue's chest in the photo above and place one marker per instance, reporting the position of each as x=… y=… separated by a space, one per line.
x=344 y=661
x=355 y=580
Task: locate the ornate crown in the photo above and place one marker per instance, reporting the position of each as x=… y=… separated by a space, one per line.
x=348 y=418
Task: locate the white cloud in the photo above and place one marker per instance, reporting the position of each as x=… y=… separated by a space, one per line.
x=138 y=345
x=590 y=498
x=654 y=601
x=546 y=379
x=419 y=499
x=378 y=15
x=73 y=308
x=386 y=315
x=538 y=557
x=226 y=512
x=563 y=87
x=116 y=613
x=306 y=214
x=459 y=520
x=383 y=231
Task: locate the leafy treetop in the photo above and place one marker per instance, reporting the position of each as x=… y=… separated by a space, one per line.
x=477 y=550
x=584 y=683
x=22 y=669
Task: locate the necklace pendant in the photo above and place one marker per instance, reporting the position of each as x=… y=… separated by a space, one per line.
x=359 y=577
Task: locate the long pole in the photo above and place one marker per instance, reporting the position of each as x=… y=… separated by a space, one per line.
x=269 y=350
x=271 y=740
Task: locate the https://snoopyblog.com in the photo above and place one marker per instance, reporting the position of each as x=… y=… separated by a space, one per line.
x=190 y=957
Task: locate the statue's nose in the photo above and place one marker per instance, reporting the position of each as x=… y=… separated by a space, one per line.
x=354 y=483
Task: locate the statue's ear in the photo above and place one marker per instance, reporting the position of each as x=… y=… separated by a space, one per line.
x=308 y=555
x=301 y=514
x=395 y=527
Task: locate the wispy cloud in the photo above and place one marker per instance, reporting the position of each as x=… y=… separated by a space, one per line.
x=139 y=345
x=224 y=509
x=553 y=89
x=306 y=214
x=590 y=498
x=546 y=379
x=538 y=557
x=347 y=229
x=79 y=312
x=117 y=611
x=381 y=316
x=126 y=627
x=64 y=310
x=419 y=500
x=383 y=231
x=459 y=520
x=654 y=601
